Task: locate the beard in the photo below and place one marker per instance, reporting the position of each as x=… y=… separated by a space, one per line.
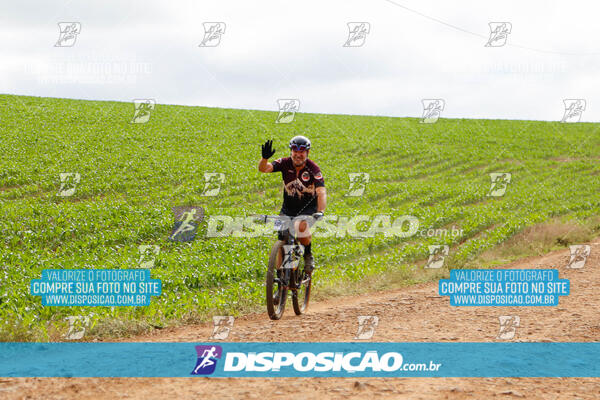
x=298 y=163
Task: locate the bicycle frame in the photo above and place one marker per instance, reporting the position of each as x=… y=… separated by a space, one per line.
x=292 y=253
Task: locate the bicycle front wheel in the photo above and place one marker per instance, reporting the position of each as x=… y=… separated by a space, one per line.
x=276 y=292
x=301 y=295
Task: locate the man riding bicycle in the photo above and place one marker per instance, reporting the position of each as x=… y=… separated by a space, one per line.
x=304 y=188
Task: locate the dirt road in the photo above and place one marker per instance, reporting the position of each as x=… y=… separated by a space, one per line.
x=411 y=314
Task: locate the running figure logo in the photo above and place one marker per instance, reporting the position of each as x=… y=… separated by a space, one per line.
x=143 y=108
x=358 y=183
x=212 y=34
x=207 y=359
x=437 y=255
x=366 y=326
x=432 y=110
x=287 y=110
x=579 y=255
x=77 y=327
x=68 y=34
x=68 y=183
x=498 y=33
x=148 y=255
x=357 y=33
x=508 y=326
x=222 y=325
x=212 y=183
x=500 y=181
x=291 y=256
x=187 y=220
x=574 y=108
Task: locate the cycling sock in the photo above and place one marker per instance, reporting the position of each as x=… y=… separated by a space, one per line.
x=307 y=249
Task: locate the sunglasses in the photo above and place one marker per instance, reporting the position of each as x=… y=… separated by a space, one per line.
x=298 y=147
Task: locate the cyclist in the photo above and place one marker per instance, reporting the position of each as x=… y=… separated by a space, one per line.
x=304 y=188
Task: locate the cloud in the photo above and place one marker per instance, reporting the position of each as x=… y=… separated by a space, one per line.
x=274 y=50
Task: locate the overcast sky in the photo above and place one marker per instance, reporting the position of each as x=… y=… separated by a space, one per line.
x=281 y=49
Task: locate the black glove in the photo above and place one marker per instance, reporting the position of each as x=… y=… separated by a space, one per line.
x=267 y=149
x=318 y=215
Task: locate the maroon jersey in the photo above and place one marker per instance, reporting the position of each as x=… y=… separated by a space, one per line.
x=299 y=191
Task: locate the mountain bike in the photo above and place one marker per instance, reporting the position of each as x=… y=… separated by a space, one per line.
x=286 y=271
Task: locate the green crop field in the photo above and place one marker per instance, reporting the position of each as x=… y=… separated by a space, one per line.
x=132 y=175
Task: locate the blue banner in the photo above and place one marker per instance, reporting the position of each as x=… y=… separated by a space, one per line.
x=503 y=287
x=299 y=359
x=96 y=287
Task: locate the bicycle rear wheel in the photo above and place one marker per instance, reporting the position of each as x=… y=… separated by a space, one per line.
x=301 y=296
x=276 y=293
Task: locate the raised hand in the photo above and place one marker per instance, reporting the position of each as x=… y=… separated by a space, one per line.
x=267 y=149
